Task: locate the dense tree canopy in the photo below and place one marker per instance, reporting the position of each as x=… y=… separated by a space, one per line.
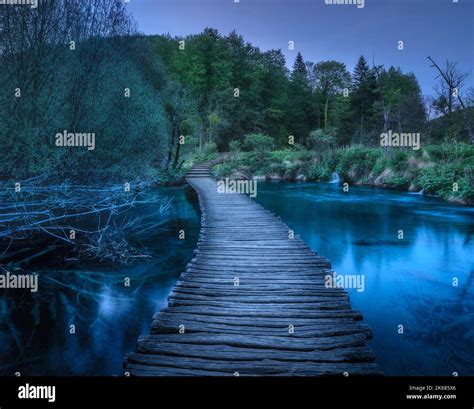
x=152 y=99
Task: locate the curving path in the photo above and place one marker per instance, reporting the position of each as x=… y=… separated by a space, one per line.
x=251 y=302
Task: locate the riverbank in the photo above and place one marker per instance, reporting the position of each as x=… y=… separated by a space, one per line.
x=445 y=171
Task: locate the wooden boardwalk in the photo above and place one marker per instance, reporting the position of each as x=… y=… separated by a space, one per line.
x=251 y=302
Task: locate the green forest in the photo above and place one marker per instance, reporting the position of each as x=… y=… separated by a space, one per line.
x=157 y=104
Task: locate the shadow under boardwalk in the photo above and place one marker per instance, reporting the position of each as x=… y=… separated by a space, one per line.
x=251 y=302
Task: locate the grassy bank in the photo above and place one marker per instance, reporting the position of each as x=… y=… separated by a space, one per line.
x=443 y=170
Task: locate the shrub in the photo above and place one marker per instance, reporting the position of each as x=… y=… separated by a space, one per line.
x=209 y=152
x=358 y=157
x=210 y=148
x=440 y=180
x=399 y=160
x=323 y=139
x=235 y=146
x=223 y=169
x=258 y=142
x=292 y=155
x=397 y=182
x=319 y=171
x=381 y=164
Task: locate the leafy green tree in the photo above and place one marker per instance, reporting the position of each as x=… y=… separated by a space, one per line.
x=401 y=104
x=274 y=83
x=323 y=139
x=330 y=79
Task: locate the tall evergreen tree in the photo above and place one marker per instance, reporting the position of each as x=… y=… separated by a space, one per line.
x=365 y=94
x=299 y=68
x=299 y=109
x=361 y=72
x=274 y=83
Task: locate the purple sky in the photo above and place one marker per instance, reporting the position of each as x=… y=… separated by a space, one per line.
x=439 y=28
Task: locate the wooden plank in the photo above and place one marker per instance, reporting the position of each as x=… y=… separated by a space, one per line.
x=173 y=326
x=225 y=352
x=146 y=342
x=249 y=293
x=272 y=322
x=240 y=355
x=264 y=312
x=263 y=367
x=259 y=299
x=258 y=306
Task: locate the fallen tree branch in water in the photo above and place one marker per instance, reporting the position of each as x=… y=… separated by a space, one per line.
x=89 y=220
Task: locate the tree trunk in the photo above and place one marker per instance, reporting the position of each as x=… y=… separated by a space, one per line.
x=450 y=100
x=326 y=113
x=467 y=120
x=171 y=143
x=200 y=138
x=176 y=156
x=451 y=87
x=181 y=164
x=386 y=118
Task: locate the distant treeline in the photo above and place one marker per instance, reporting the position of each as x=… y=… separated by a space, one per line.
x=80 y=67
x=237 y=89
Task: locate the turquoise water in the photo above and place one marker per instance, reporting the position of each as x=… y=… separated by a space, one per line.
x=408 y=282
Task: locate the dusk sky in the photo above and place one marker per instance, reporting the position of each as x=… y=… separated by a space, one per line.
x=441 y=29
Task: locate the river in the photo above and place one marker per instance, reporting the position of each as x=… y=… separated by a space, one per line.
x=407 y=282
x=108 y=314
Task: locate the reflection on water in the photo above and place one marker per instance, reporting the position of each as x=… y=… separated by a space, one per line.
x=408 y=282
x=108 y=315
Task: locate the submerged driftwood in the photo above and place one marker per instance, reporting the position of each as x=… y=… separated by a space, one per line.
x=80 y=220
